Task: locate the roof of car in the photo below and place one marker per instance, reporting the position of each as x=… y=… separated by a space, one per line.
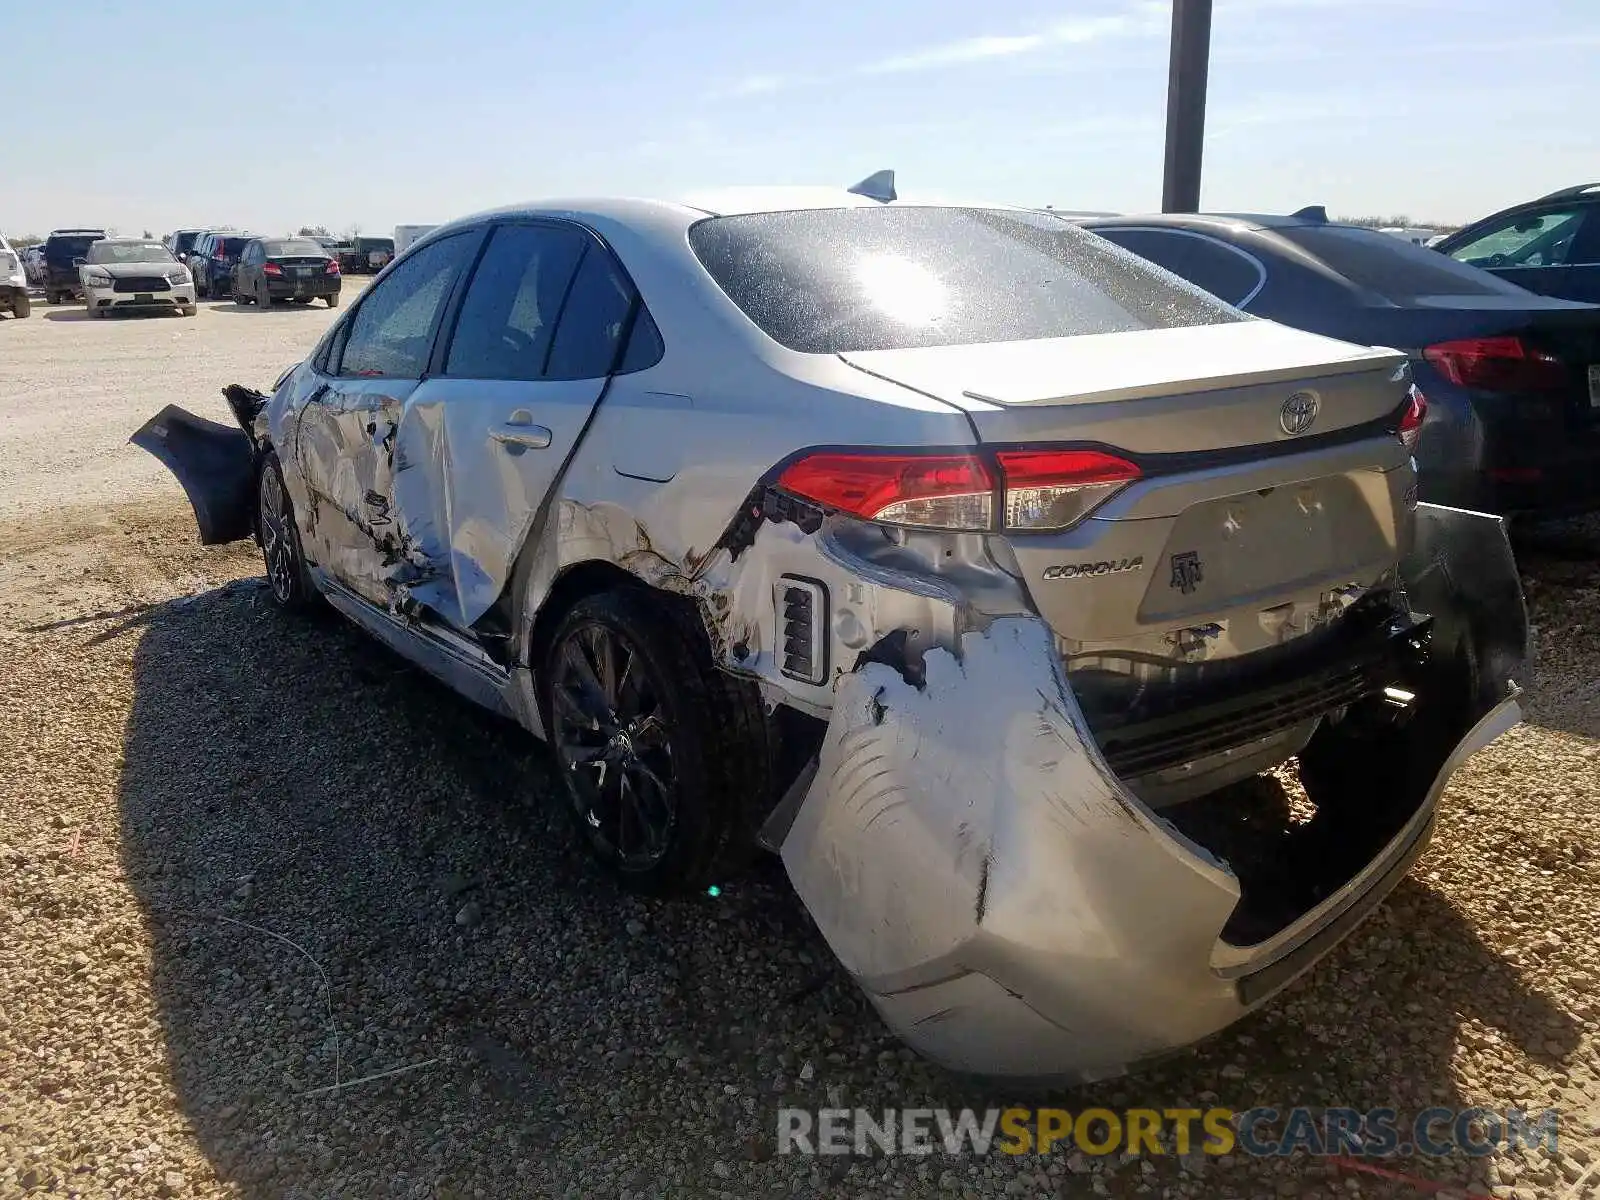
x=1224 y=222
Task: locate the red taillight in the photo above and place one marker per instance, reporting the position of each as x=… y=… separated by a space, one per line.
x=1053 y=489
x=946 y=491
x=271 y=269
x=1035 y=489
x=333 y=266
x=1501 y=364
x=218 y=255
x=1411 y=420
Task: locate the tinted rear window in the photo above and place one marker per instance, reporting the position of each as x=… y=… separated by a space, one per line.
x=293 y=248
x=230 y=246
x=58 y=248
x=1392 y=267
x=185 y=242
x=830 y=281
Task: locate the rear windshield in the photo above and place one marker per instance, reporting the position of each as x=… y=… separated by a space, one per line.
x=231 y=246
x=59 y=249
x=1394 y=268
x=831 y=281
x=292 y=248
x=184 y=242
x=128 y=252
x=370 y=244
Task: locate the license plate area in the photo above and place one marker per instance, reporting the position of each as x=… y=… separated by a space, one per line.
x=144 y=297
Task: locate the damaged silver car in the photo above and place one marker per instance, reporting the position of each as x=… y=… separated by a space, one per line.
x=988 y=574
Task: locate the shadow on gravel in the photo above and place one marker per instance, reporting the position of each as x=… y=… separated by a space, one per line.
x=229 y=308
x=348 y=872
x=1560 y=566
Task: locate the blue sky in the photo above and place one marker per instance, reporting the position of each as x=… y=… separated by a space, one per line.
x=352 y=112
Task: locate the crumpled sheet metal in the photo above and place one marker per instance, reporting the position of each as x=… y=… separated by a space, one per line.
x=970 y=827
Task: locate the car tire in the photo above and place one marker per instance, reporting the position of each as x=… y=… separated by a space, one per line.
x=263 y=297
x=190 y=310
x=52 y=297
x=333 y=300
x=661 y=740
x=240 y=298
x=21 y=306
x=288 y=576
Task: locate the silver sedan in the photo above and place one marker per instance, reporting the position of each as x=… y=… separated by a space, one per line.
x=965 y=560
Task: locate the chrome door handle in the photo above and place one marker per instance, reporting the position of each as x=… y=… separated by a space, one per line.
x=534 y=437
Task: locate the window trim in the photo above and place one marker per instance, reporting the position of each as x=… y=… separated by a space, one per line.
x=457 y=289
x=1261 y=269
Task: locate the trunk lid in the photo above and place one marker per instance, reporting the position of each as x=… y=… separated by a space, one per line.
x=1164 y=391
x=1250 y=524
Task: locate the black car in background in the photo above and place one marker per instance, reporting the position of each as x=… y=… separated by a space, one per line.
x=64 y=249
x=1511 y=378
x=296 y=269
x=367 y=255
x=1550 y=245
x=213 y=260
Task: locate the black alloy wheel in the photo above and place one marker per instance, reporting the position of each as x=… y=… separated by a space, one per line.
x=661 y=754
x=287 y=574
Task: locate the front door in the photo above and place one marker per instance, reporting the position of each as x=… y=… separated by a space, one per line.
x=345 y=435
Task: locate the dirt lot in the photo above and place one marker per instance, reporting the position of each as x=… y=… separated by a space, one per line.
x=243 y=858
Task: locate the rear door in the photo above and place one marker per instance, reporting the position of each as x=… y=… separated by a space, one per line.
x=538 y=332
x=345 y=439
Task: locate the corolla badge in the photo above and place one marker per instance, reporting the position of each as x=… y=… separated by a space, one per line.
x=1089 y=570
x=1298 y=413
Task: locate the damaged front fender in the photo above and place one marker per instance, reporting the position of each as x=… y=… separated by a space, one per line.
x=214 y=464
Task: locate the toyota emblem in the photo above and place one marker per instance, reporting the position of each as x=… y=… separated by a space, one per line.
x=1299 y=412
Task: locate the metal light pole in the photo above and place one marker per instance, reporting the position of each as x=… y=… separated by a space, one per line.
x=1186 y=105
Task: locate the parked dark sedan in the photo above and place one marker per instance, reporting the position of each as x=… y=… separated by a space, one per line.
x=1550 y=245
x=1511 y=378
x=297 y=269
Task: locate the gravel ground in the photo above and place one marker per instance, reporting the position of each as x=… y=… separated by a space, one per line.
x=243 y=858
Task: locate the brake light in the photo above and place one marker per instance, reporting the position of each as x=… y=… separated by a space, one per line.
x=945 y=491
x=1024 y=489
x=333 y=266
x=1502 y=364
x=1411 y=420
x=218 y=256
x=271 y=268
x=1054 y=489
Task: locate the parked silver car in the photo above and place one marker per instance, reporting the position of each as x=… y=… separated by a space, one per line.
x=961 y=557
x=121 y=274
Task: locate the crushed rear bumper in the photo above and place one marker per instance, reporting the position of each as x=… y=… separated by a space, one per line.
x=1012 y=909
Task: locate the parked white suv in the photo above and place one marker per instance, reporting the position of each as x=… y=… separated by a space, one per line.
x=13 y=282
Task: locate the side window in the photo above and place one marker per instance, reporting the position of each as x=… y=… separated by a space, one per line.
x=593 y=321
x=392 y=332
x=508 y=319
x=1219 y=268
x=645 y=346
x=1529 y=240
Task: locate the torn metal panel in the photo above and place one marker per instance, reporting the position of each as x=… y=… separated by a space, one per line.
x=343 y=446
x=1461 y=570
x=1009 y=906
x=215 y=465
